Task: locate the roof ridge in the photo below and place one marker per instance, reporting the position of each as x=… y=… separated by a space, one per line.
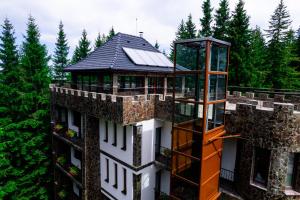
x=116 y=51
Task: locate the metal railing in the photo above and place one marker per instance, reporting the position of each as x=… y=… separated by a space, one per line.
x=271 y=91
x=227 y=174
x=163 y=155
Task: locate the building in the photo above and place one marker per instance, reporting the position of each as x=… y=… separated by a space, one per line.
x=130 y=126
x=264 y=162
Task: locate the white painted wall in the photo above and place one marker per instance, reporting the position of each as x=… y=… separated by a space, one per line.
x=116 y=151
x=165 y=181
x=148 y=155
x=75 y=189
x=74 y=160
x=229 y=154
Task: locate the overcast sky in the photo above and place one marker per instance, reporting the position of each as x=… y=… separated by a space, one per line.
x=158 y=19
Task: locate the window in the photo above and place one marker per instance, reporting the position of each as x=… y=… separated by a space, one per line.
x=124 y=139
x=116 y=176
x=115 y=135
x=77 y=154
x=290 y=171
x=124 y=191
x=76 y=190
x=261 y=166
x=107 y=171
x=106 y=132
x=76 y=119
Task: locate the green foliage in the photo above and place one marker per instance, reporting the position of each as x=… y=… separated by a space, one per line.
x=60 y=58
x=62 y=194
x=156 y=45
x=73 y=170
x=206 y=20
x=100 y=40
x=83 y=48
x=239 y=36
x=70 y=133
x=258 y=69
x=62 y=160
x=222 y=20
x=111 y=33
x=185 y=30
x=280 y=50
x=24 y=147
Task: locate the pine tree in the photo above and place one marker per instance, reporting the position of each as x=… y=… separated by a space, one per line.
x=25 y=161
x=277 y=48
x=222 y=18
x=100 y=40
x=60 y=58
x=180 y=34
x=206 y=20
x=239 y=36
x=189 y=29
x=258 y=61
x=156 y=45
x=111 y=33
x=9 y=74
x=83 y=48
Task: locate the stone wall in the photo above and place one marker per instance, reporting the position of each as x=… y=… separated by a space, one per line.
x=92 y=159
x=277 y=130
x=120 y=109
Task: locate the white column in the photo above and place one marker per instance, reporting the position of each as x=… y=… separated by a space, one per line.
x=146 y=85
x=115 y=83
x=165 y=86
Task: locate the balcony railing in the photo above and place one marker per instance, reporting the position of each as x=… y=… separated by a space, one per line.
x=227 y=174
x=163 y=156
x=68 y=168
x=61 y=130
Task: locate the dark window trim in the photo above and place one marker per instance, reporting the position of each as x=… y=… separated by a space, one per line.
x=124 y=191
x=115 y=135
x=77 y=154
x=107 y=171
x=106 y=132
x=124 y=138
x=116 y=176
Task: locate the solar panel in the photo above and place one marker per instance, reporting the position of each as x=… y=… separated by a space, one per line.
x=141 y=57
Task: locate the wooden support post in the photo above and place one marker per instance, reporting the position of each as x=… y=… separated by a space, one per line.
x=115 y=84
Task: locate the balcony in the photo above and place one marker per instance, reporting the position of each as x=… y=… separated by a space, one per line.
x=163 y=156
x=69 y=169
x=124 y=109
x=69 y=136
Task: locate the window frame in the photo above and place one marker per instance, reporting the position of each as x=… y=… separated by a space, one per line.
x=124 y=147
x=116 y=176
x=107 y=171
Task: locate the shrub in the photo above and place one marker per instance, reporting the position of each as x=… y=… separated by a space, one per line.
x=70 y=133
x=61 y=160
x=73 y=170
x=62 y=194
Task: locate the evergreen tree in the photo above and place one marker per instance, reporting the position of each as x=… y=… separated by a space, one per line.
x=222 y=18
x=180 y=34
x=206 y=20
x=111 y=33
x=277 y=48
x=239 y=36
x=83 y=48
x=60 y=58
x=156 y=45
x=24 y=142
x=9 y=74
x=100 y=40
x=189 y=31
x=258 y=63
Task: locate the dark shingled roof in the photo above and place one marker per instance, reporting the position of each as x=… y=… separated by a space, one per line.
x=112 y=56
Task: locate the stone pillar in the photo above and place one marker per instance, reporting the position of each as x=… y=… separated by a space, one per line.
x=146 y=85
x=165 y=86
x=92 y=159
x=115 y=84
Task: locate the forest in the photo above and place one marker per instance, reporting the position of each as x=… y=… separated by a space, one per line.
x=259 y=59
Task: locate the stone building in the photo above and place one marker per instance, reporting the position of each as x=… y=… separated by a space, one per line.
x=264 y=161
x=112 y=129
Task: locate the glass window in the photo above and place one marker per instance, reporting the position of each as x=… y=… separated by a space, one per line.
x=215 y=115
x=261 y=166
x=187 y=112
x=76 y=119
x=187 y=55
x=116 y=176
x=124 y=191
x=107 y=171
x=115 y=135
x=290 y=170
x=218 y=58
x=217 y=87
x=124 y=139
x=77 y=154
x=106 y=132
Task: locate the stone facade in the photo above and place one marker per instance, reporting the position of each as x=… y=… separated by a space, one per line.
x=120 y=109
x=277 y=130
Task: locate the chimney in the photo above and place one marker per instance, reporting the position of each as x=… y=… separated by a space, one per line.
x=141 y=34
